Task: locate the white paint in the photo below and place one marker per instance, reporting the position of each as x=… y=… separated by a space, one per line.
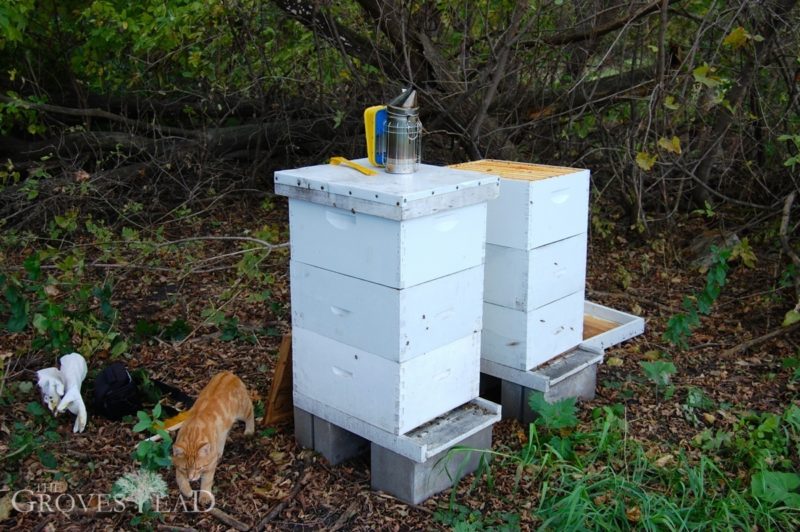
x=385 y=188
x=543 y=377
x=528 y=279
x=394 y=324
x=394 y=397
x=396 y=254
x=529 y=214
x=422 y=443
x=627 y=327
x=524 y=340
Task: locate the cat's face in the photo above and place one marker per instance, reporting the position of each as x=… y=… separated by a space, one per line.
x=51 y=385
x=193 y=461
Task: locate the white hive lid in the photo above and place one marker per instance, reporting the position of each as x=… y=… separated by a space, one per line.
x=396 y=196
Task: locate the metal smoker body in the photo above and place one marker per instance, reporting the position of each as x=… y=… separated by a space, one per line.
x=403 y=134
x=393 y=134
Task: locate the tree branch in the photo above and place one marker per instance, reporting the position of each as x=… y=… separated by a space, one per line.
x=349 y=40
x=99 y=113
x=607 y=27
x=787 y=248
x=499 y=70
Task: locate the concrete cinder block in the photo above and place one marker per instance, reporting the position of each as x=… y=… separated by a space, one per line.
x=514 y=397
x=303 y=428
x=335 y=443
x=331 y=441
x=582 y=385
x=412 y=482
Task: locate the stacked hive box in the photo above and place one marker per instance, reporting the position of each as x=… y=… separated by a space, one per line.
x=386 y=289
x=535 y=262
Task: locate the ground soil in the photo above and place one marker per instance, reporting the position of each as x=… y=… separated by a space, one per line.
x=648 y=275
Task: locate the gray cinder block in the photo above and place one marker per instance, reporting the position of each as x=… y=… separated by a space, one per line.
x=334 y=443
x=412 y=482
x=514 y=397
x=303 y=428
x=582 y=385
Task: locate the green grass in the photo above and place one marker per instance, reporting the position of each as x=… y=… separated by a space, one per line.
x=602 y=479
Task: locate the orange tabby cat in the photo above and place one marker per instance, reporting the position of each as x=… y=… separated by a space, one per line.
x=201 y=440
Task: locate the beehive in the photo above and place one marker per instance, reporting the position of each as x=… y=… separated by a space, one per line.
x=535 y=262
x=387 y=279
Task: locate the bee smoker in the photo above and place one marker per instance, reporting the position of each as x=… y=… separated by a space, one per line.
x=394 y=134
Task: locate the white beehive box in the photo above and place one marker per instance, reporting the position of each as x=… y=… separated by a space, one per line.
x=392 y=396
x=524 y=340
x=387 y=282
x=528 y=279
x=394 y=324
x=394 y=230
x=535 y=262
x=398 y=254
x=537 y=205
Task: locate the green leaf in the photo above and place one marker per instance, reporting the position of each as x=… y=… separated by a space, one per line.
x=119 y=348
x=743 y=251
x=144 y=421
x=130 y=234
x=671 y=104
x=737 y=38
x=562 y=446
x=47 y=459
x=176 y=331
x=672 y=145
x=35 y=409
x=164 y=436
x=704 y=74
x=659 y=371
x=40 y=323
x=558 y=415
x=792 y=317
x=17 y=323
x=33 y=266
x=776 y=487
x=143 y=449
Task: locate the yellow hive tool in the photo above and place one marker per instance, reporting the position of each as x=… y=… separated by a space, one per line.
x=355 y=166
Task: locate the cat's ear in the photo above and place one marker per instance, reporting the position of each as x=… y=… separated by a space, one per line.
x=177 y=451
x=204 y=449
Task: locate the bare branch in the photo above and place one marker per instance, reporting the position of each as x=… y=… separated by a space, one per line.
x=607 y=27
x=99 y=113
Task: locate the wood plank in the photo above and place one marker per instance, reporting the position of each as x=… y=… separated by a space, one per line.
x=515 y=170
x=280 y=404
x=592 y=326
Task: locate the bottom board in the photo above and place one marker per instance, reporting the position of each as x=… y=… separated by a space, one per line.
x=422 y=443
x=604 y=327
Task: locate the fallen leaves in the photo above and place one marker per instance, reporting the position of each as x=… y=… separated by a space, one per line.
x=633 y=514
x=652 y=355
x=665 y=461
x=5 y=507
